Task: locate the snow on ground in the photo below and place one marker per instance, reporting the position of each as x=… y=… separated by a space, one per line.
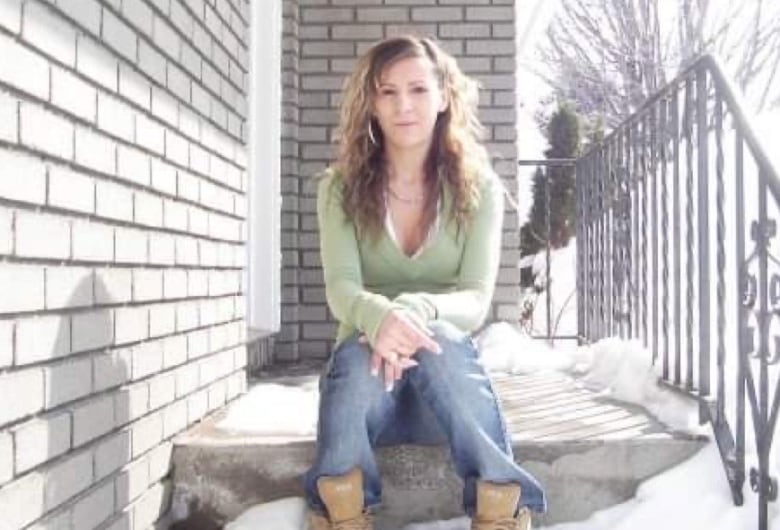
x=613 y=367
x=664 y=501
x=265 y=410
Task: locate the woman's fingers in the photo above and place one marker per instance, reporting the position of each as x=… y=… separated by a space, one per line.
x=389 y=372
x=416 y=333
x=376 y=363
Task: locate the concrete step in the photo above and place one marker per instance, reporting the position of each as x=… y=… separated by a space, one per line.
x=589 y=453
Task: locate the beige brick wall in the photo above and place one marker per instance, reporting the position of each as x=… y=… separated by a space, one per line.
x=123 y=173
x=323 y=38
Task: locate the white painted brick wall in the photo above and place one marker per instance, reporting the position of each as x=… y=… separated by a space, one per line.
x=132 y=324
x=45 y=131
x=161 y=390
x=115 y=139
x=133 y=480
x=71 y=190
x=160 y=458
x=92 y=241
x=147 y=285
x=67 y=381
x=94 y=508
x=92 y=419
x=111 y=369
x=41 y=439
x=41 y=338
x=131 y=245
x=6 y=343
x=131 y=403
x=92 y=330
x=162 y=249
x=24 y=178
x=52 y=34
x=23 y=69
x=9 y=118
x=27 y=386
x=115 y=117
x=69 y=287
x=95 y=151
x=72 y=94
x=175 y=352
x=21 y=502
x=11 y=15
x=67 y=478
x=96 y=62
x=6 y=457
x=187 y=380
x=148 y=210
x=86 y=13
x=147 y=433
x=147 y=359
x=113 y=285
x=22 y=287
x=42 y=236
x=111 y=454
x=162 y=320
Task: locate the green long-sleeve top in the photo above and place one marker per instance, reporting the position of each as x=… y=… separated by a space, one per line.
x=452 y=279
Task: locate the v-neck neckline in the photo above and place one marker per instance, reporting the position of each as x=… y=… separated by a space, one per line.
x=430 y=241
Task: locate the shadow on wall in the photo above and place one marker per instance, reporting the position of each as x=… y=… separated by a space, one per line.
x=78 y=452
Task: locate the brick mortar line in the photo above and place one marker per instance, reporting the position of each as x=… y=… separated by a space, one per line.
x=100 y=88
x=107 y=350
x=80 y=310
x=196 y=19
x=73 y=164
x=121 y=58
x=51 y=262
x=91 y=444
x=107 y=221
x=225 y=23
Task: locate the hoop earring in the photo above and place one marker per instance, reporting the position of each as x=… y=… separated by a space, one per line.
x=371 y=133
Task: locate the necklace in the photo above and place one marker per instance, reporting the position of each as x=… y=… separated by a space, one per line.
x=406 y=200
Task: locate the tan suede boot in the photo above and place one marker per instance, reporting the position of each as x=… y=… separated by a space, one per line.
x=343 y=498
x=496 y=506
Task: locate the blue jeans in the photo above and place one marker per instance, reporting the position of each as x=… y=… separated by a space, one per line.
x=357 y=415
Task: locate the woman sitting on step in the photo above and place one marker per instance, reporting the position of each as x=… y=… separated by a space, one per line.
x=410 y=231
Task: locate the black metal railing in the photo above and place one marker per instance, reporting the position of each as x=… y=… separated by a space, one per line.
x=677 y=247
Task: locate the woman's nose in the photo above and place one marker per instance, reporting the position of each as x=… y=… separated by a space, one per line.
x=404 y=102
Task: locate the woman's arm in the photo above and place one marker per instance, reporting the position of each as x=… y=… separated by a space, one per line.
x=468 y=305
x=348 y=300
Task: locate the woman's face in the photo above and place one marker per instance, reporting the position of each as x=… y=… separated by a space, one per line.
x=407 y=103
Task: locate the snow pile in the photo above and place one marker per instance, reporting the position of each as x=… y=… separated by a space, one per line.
x=265 y=410
x=504 y=349
x=284 y=514
x=623 y=370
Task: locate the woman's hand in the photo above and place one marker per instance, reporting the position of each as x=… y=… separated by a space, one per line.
x=399 y=337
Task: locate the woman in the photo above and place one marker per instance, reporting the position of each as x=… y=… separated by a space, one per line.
x=410 y=233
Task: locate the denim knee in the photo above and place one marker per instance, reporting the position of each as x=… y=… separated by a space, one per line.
x=351 y=361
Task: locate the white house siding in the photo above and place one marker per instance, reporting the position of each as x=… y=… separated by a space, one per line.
x=322 y=40
x=122 y=205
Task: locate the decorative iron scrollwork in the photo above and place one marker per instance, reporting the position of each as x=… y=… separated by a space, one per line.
x=749 y=290
x=763 y=483
x=762 y=234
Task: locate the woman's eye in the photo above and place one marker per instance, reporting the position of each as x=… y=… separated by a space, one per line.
x=420 y=89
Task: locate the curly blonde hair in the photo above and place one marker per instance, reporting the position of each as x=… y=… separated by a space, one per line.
x=456 y=156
